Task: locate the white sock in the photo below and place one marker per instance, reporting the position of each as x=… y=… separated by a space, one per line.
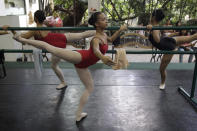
x=162 y=86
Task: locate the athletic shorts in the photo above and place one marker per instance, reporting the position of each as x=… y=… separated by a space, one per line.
x=167 y=43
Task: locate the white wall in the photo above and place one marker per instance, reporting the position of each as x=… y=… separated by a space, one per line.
x=6 y=41
x=6 y=9
x=2 y=7
x=93 y=4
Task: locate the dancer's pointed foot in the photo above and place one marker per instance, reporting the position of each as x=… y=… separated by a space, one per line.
x=61 y=86
x=162 y=86
x=81 y=117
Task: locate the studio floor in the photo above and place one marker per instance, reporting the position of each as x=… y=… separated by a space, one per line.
x=122 y=100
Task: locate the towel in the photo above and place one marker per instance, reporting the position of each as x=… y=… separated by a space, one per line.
x=120 y=59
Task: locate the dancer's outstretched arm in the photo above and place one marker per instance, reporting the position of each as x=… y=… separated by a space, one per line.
x=28 y=34
x=117 y=33
x=106 y=59
x=71 y=37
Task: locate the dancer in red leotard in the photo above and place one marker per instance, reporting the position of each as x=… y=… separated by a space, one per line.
x=82 y=59
x=55 y=39
x=88 y=56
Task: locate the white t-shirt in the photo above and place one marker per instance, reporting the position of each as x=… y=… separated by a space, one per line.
x=141 y=32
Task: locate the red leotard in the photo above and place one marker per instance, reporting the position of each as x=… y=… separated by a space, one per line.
x=54 y=39
x=88 y=56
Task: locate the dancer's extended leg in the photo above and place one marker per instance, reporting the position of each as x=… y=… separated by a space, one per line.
x=185 y=39
x=68 y=55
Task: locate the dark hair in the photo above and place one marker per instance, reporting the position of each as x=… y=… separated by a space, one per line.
x=93 y=18
x=183 y=34
x=193 y=32
x=159 y=15
x=177 y=23
x=180 y=31
x=40 y=16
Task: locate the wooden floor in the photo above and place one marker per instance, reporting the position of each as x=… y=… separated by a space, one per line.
x=123 y=100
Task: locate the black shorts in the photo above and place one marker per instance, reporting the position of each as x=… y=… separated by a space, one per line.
x=167 y=43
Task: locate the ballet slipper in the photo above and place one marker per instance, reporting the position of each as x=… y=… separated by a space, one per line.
x=162 y=86
x=16 y=36
x=81 y=117
x=61 y=86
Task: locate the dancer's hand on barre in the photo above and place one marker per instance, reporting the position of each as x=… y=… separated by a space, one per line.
x=108 y=61
x=5 y=27
x=149 y=27
x=123 y=27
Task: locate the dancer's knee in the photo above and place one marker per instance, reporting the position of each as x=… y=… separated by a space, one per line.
x=162 y=69
x=166 y=61
x=90 y=89
x=54 y=66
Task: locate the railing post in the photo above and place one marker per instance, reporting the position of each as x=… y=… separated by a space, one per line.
x=194 y=78
x=2 y=59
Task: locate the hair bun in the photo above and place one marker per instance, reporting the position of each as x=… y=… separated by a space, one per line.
x=159 y=14
x=40 y=15
x=91 y=20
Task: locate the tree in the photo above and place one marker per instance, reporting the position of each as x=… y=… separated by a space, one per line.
x=71 y=13
x=120 y=10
